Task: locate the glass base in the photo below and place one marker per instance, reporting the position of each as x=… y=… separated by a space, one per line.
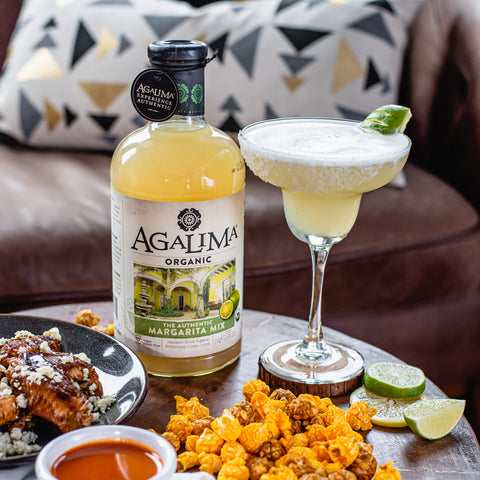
x=341 y=363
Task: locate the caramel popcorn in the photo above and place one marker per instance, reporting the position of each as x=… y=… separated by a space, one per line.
x=365 y=464
x=257 y=466
x=276 y=435
x=109 y=329
x=87 y=318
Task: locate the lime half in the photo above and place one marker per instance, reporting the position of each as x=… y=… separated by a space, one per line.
x=226 y=309
x=395 y=380
x=387 y=119
x=435 y=418
x=389 y=410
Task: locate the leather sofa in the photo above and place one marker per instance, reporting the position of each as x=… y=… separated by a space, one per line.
x=406 y=279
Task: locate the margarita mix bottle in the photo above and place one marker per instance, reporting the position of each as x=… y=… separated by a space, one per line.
x=177 y=223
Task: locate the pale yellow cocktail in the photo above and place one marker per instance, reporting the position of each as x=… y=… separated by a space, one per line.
x=323 y=167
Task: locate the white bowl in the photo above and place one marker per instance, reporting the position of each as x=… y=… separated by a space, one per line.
x=62 y=443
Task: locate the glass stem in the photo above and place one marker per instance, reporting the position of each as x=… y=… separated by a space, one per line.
x=313 y=348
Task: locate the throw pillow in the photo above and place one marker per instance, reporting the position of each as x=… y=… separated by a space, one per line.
x=70 y=63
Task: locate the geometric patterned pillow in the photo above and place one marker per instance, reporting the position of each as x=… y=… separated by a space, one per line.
x=70 y=63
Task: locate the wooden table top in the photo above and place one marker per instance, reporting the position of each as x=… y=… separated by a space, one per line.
x=456 y=456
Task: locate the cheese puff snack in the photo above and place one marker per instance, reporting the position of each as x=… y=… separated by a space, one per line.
x=233 y=471
x=264 y=404
x=191 y=407
x=210 y=463
x=252 y=386
x=359 y=415
x=276 y=435
x=343 y=450
x=253 y=436
x=227 y=427
x=180 y=425
x=231 y=451
x=387 y=472
x=209 y=442
x=279 y=473
x=187 y=460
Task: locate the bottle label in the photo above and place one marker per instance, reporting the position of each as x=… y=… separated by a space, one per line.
x=157 y=96
x=177 y=274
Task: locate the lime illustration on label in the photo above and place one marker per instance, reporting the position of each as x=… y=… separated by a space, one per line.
x=184 y=302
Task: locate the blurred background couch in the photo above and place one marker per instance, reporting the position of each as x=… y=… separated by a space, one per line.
x=406 y=279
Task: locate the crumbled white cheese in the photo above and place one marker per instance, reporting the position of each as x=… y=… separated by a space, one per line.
x=23 y=333
x=101 y=404
x=45 y=347
x=18 y=443
x=67 y=359
x=40 y=373
x=22 y=401
x=83 y=356
x=54 y=333
x=5 y=389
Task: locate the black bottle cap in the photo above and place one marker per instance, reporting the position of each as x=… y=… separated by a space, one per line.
x=178 y=55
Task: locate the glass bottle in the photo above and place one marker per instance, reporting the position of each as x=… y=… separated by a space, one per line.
x=177 y=223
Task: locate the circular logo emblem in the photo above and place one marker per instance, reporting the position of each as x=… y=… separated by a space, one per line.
x=154 y=95
x=182 y=93
x=189 y=219
x=197 y=93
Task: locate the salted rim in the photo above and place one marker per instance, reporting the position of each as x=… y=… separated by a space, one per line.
x=377 y=155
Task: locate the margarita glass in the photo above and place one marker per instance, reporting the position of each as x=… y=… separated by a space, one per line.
x=323 y=167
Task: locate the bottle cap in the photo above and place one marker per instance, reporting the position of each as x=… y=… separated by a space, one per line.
x=178 y=55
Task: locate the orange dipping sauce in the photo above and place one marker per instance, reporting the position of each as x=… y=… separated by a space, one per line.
x=108 y=459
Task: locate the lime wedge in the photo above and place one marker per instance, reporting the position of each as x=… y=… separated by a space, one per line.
x=389 y=410
x=435 y=418
x=395 y=380
x=387 y=119
x=226 y=309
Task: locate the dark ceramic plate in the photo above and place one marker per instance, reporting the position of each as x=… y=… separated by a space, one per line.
x=121 y=372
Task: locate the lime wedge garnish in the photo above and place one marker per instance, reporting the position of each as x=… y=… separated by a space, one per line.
x=395 y=380
x=387 y=119
x=226 y=309
x=435 y=418
x=389 y=410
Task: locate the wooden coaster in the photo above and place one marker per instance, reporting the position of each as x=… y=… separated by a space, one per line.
x=320 y=389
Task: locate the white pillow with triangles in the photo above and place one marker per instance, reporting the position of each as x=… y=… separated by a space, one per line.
x=70 y=63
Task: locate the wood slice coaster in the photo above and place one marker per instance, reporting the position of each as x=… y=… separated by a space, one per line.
x=320 y=389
